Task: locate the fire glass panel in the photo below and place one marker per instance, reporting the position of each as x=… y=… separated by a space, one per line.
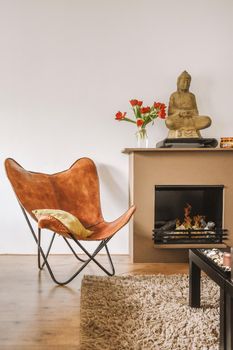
x=170 y=202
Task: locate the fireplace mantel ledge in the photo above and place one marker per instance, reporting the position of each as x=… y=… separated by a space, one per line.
x=132 y=150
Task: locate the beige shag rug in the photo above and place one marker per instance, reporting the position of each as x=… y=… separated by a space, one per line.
x=147 y=313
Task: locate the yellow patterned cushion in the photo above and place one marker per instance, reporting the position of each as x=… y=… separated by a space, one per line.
x=68 y=220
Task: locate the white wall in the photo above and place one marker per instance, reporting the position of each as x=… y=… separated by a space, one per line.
x=66 y=67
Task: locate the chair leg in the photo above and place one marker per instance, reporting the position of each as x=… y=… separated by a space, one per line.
x=91 y=258
x=102 y=244
x=110 y=260
x=38 y=240
x=73 y=251
x=48 y=251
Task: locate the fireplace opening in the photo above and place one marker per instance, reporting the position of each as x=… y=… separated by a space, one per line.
x=188 y=214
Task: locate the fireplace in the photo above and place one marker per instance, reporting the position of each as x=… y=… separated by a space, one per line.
x=174 y=166
x=188 y=214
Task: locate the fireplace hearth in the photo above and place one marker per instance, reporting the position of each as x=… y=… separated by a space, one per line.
x=187 y=214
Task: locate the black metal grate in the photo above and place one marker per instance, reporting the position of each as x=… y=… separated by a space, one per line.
x=190 y=236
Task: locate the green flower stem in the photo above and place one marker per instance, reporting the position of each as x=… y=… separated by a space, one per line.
x=129 y=120
x=136 y=111
x=149 y=118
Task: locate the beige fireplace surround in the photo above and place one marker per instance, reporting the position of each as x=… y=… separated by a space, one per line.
x=176 y=166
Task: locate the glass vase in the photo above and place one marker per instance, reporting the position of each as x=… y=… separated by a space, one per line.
x=142 y=138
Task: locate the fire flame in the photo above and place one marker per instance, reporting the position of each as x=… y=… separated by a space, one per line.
x=189 y=221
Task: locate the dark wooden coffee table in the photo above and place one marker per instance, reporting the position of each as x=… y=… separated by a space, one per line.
x=197 y=262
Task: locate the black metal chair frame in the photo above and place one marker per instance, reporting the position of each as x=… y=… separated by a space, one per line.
x=90 y=257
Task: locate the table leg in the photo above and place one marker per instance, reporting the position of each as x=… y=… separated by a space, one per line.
x=194 y=284
x=228 y=324
x=223 y=320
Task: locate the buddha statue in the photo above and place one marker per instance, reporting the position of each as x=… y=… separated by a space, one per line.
x=183 y=119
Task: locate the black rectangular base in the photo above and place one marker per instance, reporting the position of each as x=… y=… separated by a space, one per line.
x=187 y=143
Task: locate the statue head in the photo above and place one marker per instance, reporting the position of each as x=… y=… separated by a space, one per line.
x=183 y=81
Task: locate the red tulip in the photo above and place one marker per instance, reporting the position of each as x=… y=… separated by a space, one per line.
x=159 y=105
x=134 y=103
x=144 y=110
x=161 y=108
x=162 y=113
x=140 y=122
x=120 y=115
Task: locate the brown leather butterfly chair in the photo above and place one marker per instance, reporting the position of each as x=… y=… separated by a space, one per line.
x=76 y=191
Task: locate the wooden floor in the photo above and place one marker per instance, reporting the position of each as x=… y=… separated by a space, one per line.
x=37 y=314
